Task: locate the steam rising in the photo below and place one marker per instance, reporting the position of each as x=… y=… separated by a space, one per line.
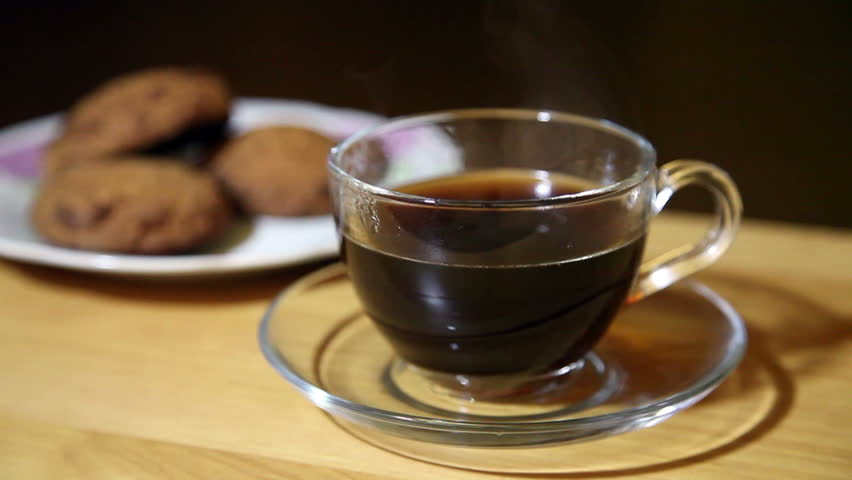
x=557 y=62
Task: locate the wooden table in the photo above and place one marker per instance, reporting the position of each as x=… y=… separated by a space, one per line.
x=102 y=377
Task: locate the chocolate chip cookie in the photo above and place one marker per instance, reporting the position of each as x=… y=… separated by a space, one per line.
x=279 y=170
x=130 y=205
x=138 y=111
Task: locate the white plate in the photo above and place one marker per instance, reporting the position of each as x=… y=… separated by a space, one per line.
x=260 y=243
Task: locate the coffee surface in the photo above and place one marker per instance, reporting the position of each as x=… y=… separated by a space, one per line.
x=499 y=184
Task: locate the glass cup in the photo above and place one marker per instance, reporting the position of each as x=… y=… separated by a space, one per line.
x=493 y=247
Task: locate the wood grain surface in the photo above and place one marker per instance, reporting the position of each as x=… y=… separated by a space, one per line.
x=104 y=377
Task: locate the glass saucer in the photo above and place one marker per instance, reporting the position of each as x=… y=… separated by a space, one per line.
x=660 y=356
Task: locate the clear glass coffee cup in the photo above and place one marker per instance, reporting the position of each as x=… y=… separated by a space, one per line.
x=493 y=248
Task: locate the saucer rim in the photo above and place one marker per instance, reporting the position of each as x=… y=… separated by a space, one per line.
x=734 y=352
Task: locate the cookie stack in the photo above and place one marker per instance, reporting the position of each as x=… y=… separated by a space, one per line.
x=144 y=165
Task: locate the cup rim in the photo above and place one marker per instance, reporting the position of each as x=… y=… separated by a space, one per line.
x=647 y=160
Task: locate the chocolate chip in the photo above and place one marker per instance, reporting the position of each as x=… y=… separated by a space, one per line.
x=81 y=218
x=157 y=93
x=67 y=217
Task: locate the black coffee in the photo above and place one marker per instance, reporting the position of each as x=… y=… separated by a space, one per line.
x=492 y=319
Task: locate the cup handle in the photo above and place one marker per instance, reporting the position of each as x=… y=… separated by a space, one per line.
x=658 y=273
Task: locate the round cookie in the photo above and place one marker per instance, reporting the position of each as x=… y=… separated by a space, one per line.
x=136 y=111
x=130 y=205
x=278 y=170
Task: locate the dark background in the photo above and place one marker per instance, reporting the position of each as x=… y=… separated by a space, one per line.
x=761 y=88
